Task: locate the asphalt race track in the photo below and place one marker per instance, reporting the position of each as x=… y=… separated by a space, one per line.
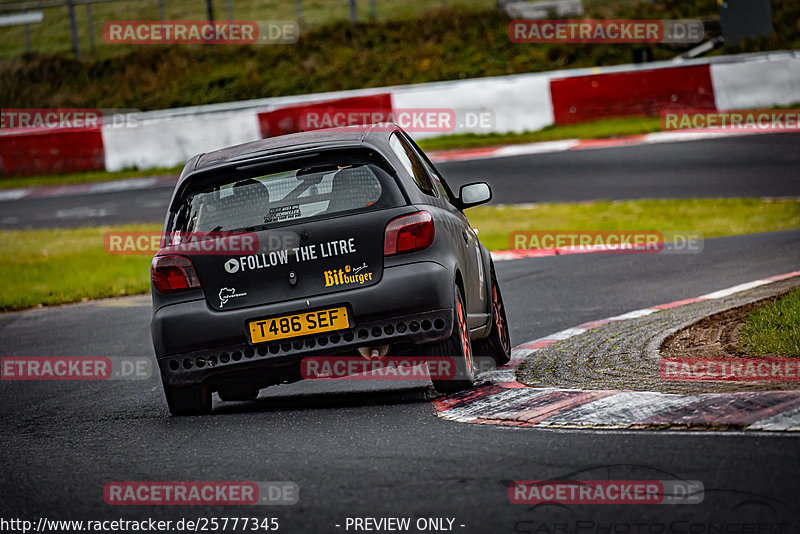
x=361 y=449
x=747 y=166
x=742 y=166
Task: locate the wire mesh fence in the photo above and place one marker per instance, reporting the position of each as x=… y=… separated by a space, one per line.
x=77 y=25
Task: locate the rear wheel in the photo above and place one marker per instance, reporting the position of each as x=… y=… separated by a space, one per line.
x=188 y=400
x=456 y=351
x=498 y=343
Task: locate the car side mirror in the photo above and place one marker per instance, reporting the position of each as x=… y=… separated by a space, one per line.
x=475 y=194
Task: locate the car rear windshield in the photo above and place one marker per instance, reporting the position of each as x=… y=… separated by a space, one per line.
x=286 y=197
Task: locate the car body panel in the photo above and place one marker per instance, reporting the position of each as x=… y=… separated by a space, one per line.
x=193 y=331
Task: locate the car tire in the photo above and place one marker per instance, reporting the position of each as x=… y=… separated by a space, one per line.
x=458 y=347
x=188 y=400
x=497 y=344
x=238 y=394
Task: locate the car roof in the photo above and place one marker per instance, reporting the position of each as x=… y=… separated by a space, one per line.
x=376 y=135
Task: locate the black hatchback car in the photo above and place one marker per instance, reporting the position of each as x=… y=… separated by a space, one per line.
x=358 y=247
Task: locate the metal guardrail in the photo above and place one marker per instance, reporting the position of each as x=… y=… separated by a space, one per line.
x=540 y=9
x=26 y=18
x=17 y=19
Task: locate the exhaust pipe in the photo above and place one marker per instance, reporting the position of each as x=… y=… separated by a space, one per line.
x=373 y=353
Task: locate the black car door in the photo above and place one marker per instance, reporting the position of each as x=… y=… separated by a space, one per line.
x=471 y=261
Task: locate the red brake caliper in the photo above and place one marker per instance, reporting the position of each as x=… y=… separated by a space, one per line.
x=462 y=326
x=498 y=316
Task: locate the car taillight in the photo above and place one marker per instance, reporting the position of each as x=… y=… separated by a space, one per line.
x=408 y=233
x=170 y=274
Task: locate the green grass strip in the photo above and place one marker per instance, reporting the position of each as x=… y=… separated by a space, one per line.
x=774 y=329
x=45 y=267
x=599 y=129
x=12 y=182
x=67 y=265
x=712 y=217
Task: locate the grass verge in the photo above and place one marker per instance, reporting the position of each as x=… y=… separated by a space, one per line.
x=599 y=129
x=711 y=217
x=60 y=266
x=53 y=34
x=774 y=329
x=45 y=267
x=468 y=40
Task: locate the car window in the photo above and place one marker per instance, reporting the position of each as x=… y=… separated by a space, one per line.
x=286 y=197
x=412 y=164
x=441 y=185
x=441 y=188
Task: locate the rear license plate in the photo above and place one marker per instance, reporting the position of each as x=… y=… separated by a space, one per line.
x=299 y=324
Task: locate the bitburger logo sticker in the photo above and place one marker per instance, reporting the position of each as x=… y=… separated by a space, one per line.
x=347 y=276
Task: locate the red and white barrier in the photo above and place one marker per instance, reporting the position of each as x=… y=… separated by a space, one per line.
x=515 y=103
x=756 y=84
x=149 y=143
x=643 y=92
x=295 y=118
x=28 y=152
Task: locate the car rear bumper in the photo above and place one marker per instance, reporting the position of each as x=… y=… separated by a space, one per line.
x=412 y=304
